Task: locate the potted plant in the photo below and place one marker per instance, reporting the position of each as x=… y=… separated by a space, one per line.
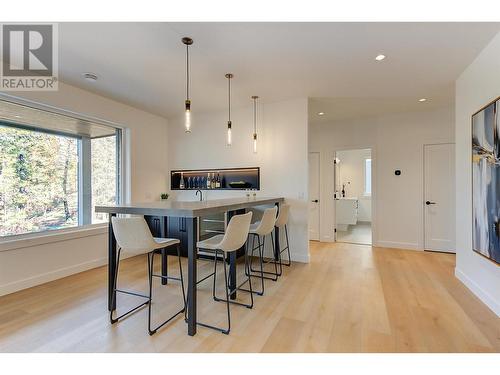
x=164 y=196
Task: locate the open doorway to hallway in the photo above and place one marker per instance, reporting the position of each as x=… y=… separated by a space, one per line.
x=353 y=196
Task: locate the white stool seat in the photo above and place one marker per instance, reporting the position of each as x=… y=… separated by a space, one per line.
x=212 y=243
x=165 y=242
x=266 y=225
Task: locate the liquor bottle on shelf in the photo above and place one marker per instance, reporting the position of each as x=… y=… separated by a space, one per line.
x=217 y=182
x=190 y=183
x=181 y=183
x=212 y=181
x=209 y=180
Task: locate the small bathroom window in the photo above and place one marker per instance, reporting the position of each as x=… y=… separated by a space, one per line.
x=368 y=177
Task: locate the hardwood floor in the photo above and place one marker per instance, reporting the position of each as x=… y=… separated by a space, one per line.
x=350 y=298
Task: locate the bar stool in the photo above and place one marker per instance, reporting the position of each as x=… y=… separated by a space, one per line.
x=234 y=238
x=133 y=236
x=282 y=224
x=259 y=230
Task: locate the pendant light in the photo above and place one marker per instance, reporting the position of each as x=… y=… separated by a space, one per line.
x=229 y=76
x=187 y=120
x=255 y=123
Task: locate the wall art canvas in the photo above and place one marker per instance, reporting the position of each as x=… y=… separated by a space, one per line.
x=486 y=181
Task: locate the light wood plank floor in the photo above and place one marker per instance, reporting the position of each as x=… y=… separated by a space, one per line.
x=350 y=298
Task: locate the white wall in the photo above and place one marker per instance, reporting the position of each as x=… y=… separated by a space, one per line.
x=282 y=155
x=397 y=142
x=352 y=173
x=477 y=86
x=36 y=263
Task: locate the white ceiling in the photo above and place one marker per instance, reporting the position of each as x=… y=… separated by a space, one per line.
x=338 y=109
x=143 y=64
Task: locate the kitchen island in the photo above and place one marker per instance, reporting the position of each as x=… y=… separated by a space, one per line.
x=190 y=211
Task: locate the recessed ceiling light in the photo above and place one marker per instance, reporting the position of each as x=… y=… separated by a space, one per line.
x=91 y=77
x=380 y=57
x=422 y=100
x=321 y=113
x=17 y=116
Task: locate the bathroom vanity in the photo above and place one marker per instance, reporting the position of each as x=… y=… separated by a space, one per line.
x=346 y=211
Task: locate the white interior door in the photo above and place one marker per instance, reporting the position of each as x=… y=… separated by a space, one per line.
x=314 y=196
x=439 y=197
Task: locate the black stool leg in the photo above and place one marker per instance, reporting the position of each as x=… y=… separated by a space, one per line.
x=250 y=270
x=287 y=247
x=181 y=279
x=261 y=261
x=273 y=243
x=151 y=257
x=215 y=276
x=249 y=280
x=227 y=300
x=115 y=290
x=113 y=296
x=225 y=331
x=247 y=269
x=251 y=257
x=274 y=274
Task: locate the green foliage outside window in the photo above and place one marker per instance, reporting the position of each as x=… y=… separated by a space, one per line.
x=38 y=181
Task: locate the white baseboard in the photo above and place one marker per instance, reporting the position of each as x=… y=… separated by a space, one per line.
x=398 y=245
x=327 y=239
x=46 y=277
x=50 y=276
x=301 y=258
x=485 y=297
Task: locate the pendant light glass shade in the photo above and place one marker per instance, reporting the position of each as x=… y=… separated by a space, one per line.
x=229 y=139
x=255 y=123
x=187 y=104
x=187 y=119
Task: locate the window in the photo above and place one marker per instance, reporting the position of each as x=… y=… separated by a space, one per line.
x=368 y=177
x=52 y=180
x=104 y=176
x=38 y=181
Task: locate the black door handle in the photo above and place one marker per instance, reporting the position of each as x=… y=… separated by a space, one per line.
x=429 y=203
x=315 y=201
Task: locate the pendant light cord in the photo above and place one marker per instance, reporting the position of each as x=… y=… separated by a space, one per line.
x=187 y=72
x=229 y=95
x=254 y=115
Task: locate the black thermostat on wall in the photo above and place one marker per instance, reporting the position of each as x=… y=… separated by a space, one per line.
x=397 y=172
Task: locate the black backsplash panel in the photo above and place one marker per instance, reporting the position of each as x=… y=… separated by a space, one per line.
x=230 y=178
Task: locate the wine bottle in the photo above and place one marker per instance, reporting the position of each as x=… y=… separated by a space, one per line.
x=208 y=181
x=181 y=183
x=212 y=183
x=217 y=182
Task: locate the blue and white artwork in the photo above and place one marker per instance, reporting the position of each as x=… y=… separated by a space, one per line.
x=486 y=182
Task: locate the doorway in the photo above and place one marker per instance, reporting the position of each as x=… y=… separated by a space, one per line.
x=353 y=196
x=314 y=218
x=439 y=197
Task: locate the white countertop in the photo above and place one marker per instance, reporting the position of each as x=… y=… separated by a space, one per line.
x=188 y=208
